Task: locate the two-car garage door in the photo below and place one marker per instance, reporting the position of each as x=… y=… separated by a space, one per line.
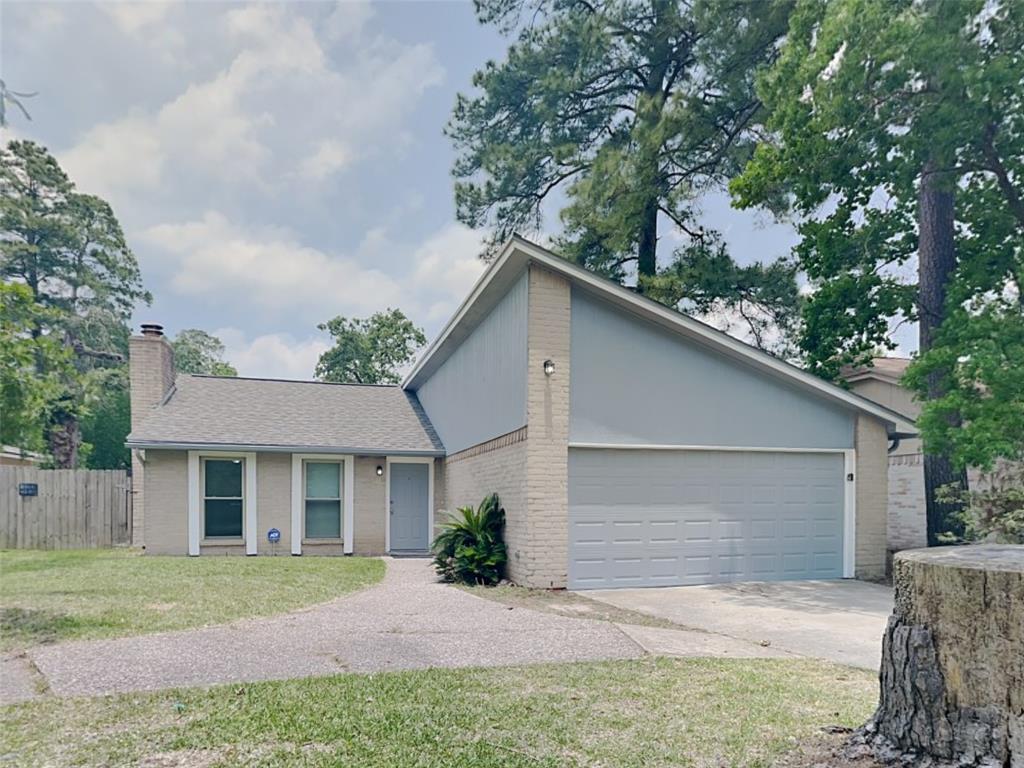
x=664 y=517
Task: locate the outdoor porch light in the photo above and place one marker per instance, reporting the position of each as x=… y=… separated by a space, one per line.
x=549 y=367
x=380 y=470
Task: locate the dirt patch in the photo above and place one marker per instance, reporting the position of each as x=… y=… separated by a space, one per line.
x=826 y=751
x=182 y=758
x=566 y=603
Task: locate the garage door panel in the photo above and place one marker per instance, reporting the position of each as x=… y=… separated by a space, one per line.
x=654 y=518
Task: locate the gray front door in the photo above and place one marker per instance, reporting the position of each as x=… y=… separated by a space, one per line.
x=659 y=518
x=410 y=507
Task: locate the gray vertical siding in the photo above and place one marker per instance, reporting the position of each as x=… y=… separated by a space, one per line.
x=480 y=391
x=634 y=383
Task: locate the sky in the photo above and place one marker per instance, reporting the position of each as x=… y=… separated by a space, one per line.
x=275 y=165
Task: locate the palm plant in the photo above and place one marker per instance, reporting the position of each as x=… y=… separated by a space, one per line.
x=470 y=547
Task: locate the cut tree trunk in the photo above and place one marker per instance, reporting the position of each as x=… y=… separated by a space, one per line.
x=952 y=676
x=936 y=259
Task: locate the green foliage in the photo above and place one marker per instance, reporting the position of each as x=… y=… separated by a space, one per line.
x=197 y=351
x=25 y=394
x=369 y=350
x=996 y=512
x=865 y=95
x=470 y=549
x=623 y=114
x=108 y=421
x=68 y=250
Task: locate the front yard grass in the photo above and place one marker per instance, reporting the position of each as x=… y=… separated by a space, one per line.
x=649 y=712
x=85 y=594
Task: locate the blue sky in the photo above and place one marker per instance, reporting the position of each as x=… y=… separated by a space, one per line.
x=275 y=165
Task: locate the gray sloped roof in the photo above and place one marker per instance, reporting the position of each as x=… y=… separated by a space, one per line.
x=208 y=411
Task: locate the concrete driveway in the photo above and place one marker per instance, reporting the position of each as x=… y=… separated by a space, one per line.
x=841 y=621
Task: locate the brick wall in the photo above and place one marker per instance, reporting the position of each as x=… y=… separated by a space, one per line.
x=872 y=490
x=907 y=526
x=151 y=375
x=497 y=466
x=274 y=501
x=547 y=410
x=368 y=510
x=166 y=489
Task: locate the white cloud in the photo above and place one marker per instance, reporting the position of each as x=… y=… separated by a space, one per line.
x=275 y=93
x=329 y=158
x=269 y=269
x=132 y=17
x=446 y=266
x=274 y=355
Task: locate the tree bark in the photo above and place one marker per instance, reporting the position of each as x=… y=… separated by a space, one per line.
x=936 y=264
x=952 y=673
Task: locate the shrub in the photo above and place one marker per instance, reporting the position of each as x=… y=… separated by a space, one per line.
x=470 y=549
x=995 y=512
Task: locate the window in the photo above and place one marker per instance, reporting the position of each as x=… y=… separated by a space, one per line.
x=323 y=500
x=223 y=498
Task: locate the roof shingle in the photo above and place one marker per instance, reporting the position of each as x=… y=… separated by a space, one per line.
x=271 y=413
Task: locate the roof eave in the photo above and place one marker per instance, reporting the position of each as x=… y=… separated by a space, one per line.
x=179 y=445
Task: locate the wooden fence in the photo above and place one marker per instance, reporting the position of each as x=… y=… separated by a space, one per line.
x=73 y=509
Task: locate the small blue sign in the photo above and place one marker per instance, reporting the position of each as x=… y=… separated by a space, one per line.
x=273 y=535
x=28 y=489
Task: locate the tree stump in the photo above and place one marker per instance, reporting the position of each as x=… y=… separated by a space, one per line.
x=952 y=676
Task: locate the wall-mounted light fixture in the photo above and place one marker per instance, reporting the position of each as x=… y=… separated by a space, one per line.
x=549 y=367
x=380 y=471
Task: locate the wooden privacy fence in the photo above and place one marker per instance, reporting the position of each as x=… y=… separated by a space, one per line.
x=73 y=508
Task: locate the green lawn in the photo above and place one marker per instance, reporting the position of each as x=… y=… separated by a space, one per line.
x=51 y=596
x=651 y=712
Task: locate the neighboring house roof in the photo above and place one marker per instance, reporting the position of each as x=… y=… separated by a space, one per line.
x=519 y=253
x=208 y=412
x=887 y=369
x=14 y=453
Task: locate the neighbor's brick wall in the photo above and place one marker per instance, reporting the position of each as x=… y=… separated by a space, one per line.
x=907 y=525
x=166 y=489
x=547 y=454
x=368 y=511
x=150 y=375
x=497 y=466
x=872 y=489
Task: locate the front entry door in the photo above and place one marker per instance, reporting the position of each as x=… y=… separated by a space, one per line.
x=410 y=507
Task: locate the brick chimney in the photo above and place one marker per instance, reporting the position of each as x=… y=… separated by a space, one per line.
x=151 y=373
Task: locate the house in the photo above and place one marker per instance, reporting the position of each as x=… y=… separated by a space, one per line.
x=880 y=383
x=13 y=456
x=630 y=445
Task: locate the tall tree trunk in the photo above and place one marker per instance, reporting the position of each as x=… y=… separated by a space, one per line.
x=64 y=438
x=649 y=112
x=936 y=263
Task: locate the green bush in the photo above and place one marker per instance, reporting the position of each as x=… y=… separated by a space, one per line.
x=470 y=549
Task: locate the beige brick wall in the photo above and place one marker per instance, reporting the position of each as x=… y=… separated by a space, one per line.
x=166 y=489
x=547 y=454
x=368 y=512
x=497 y=466
x=150 y=375
x=274 y=501
x=872 y=490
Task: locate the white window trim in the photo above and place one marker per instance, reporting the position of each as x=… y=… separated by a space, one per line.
x=195 y=499
x=298 y=531
x=428 y=460
x=849 y=485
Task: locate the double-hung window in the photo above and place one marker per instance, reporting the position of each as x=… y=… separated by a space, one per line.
x=323 y=494
x=223 y=484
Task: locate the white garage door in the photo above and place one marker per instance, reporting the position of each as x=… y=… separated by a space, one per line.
x=657 y=518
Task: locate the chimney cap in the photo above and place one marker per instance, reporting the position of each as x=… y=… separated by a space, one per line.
x=152 y=329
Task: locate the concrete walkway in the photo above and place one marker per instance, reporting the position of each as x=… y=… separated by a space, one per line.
x=408 y=621
x=841 y=621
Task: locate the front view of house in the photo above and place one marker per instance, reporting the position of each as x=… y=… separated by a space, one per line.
x=630 y=445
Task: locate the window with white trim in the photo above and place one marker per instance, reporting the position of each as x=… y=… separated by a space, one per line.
x=223 y=484
x=324 y=490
